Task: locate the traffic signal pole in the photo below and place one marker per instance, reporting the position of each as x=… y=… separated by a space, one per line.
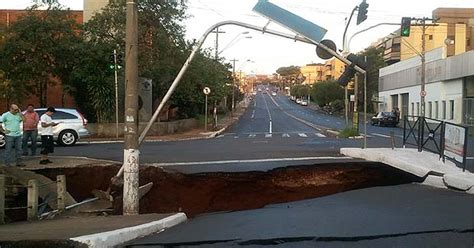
x=131 y=152
x=116 y=95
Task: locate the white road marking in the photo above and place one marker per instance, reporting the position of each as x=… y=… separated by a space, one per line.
x=270 y=128
x=327 y=120
x=253 y=114
x=320 y=135
x=470 y=158
x=268 y=135
x=302 y=135
x=285 y=135
x=252 y=135
x=380 y=135
x=236 y=137
x=250 y=160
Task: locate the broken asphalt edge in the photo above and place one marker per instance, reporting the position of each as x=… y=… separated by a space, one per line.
x=463 y=181
x=123 y=235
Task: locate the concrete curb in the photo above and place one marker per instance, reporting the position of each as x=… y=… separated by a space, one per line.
x=120 y=236
x=434 y=172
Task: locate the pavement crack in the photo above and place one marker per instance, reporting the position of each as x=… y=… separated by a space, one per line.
x=281 y=240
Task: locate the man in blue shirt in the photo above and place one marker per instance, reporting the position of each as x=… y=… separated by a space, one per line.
x=11 y=127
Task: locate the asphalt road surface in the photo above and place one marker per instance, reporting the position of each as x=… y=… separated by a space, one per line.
x=408 y=215
x=273 y=127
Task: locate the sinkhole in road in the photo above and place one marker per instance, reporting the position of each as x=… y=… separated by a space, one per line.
x=220 y=191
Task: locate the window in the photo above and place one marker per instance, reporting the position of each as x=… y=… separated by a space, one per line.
x=430 y=109
x=412 y=108
x=443 y=113
x=59 y=115
x=430 y=37
x=436 y=110
x=451 y=109
x=418 y=108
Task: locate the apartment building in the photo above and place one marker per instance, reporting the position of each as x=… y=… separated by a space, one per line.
x=329 y=70
x=454 y=29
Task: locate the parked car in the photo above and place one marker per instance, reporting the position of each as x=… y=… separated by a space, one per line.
x=304 y=103
x=274 y=93
x=298 y=100
x=72 y=128
x=384 y=119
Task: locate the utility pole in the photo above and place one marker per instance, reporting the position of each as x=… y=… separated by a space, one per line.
x=217 y=32
x=116 y=95
x=355 y=116
x=131 y=152
x=233 y=85
x=423 y=65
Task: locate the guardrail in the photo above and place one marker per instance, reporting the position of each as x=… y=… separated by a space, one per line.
x=33 y=207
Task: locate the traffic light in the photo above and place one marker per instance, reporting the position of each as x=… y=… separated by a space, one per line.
x=350 y=71
x=119 y=61
x=362 y=13
x=347 y=75
x=405 y=29
x=112 y=62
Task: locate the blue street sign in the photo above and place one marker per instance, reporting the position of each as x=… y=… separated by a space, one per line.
x=289 y=20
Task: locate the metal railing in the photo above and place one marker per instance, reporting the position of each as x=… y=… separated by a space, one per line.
x=429 y=134
x=33 y=207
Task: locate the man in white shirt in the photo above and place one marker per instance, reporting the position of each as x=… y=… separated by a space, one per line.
x=47 y=142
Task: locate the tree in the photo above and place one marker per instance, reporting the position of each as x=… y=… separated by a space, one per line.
x=375 y=61
x=162 y=51
x=326 y=92
x=290 y=75
x=38 y=50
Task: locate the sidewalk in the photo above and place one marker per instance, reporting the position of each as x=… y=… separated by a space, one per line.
x=85 y=231
x=73 y=229
x=424 y=164
x=197 y=133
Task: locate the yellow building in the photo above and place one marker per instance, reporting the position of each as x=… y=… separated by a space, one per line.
x=330 y=70
x=454 y=30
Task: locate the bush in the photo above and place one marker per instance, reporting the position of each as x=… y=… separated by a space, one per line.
x=348 y=132
x=337 y=105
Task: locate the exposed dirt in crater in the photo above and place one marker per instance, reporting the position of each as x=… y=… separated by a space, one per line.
x=210 y=192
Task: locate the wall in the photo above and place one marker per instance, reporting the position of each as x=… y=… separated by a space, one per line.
x=158 y=129
x=439 y=91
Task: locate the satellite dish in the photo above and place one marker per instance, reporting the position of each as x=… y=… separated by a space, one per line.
x=323 y=54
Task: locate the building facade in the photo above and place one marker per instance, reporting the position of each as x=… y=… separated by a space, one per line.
x=329 y=70
x=449 y=87
x=454 y=29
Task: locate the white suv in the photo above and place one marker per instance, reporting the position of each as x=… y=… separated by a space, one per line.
x=72 y=128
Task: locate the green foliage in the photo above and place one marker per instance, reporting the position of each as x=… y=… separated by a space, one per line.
x=326 y=92
x=45 y=46
x=337 y=105
x=37 y=48
x=375 y=61
x=348 y=132
x=300 y=90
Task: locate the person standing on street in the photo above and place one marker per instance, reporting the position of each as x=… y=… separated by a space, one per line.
x=30 y=130
x=47 y=143
x=11 y=121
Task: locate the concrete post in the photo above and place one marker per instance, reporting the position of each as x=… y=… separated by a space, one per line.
x=131 y=152
x=32 y=206
x=61 y=192
x=2 y=199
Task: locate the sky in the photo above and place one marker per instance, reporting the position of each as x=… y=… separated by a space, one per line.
x=265 y=53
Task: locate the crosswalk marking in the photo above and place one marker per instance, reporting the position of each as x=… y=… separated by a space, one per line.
x=273 y=135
